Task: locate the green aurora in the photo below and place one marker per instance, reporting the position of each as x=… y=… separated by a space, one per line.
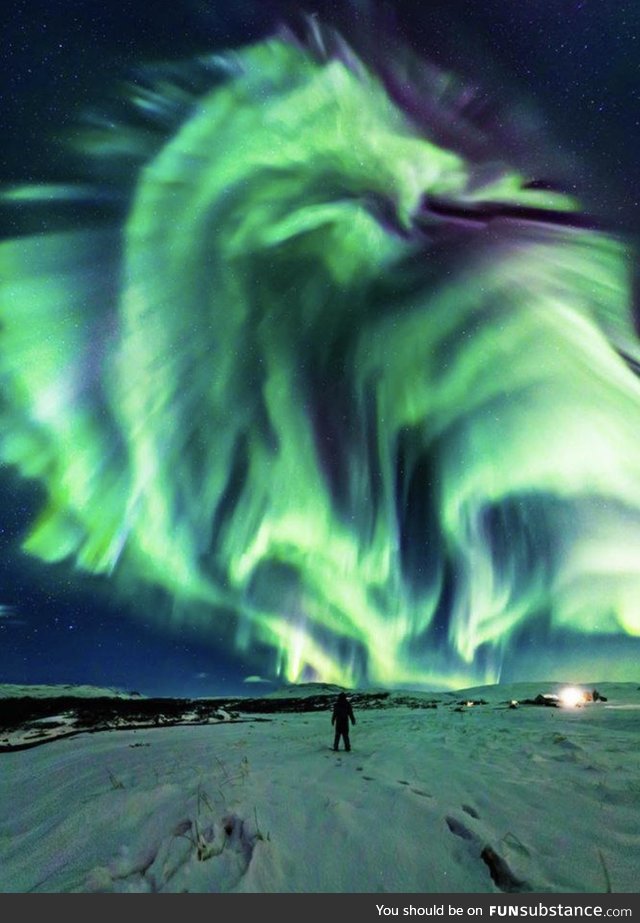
x=359 y=437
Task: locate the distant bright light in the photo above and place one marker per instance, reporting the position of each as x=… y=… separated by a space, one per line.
x=571 y=696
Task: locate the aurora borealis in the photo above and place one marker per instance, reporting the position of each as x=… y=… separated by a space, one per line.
x=359 y=401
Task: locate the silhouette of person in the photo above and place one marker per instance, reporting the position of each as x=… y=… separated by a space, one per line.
x=342 y=714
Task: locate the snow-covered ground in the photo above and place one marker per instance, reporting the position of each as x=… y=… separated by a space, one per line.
x=10 y=691
x=428 y=800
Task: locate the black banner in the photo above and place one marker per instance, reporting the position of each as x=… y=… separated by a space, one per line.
x=367 y=908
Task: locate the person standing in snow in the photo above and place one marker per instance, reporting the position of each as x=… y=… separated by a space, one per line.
x=342 y=714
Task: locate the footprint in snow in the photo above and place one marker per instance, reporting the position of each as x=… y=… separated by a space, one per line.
x=499 y=870
x=501 y=874
x=458 y=828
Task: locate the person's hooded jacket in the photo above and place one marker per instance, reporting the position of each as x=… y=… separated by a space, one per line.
x=342 y=713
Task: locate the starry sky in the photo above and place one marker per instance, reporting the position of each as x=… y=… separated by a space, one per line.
x=575 y=66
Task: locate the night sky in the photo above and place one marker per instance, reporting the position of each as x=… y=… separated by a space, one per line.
x=574 y=68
